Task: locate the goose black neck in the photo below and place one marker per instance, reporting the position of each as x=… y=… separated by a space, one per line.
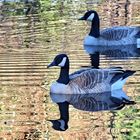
x=95 y=28
x=64 y=75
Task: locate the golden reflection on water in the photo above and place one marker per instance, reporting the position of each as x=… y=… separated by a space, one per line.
x=26 y=49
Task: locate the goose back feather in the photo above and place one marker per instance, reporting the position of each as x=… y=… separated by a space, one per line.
x=118 y=33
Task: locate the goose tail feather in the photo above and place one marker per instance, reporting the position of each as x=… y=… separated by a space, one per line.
x=128 y=73
x=120 y=78
x=128 y=102
x=138 y=34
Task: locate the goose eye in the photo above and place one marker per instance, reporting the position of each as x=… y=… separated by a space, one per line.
x=58 y=60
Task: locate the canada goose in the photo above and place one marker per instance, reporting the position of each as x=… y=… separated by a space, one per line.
x=87 y=89
x=118 y=42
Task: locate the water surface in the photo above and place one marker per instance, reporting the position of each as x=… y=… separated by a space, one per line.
x=29 y=41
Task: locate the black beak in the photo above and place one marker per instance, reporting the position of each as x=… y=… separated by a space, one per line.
x=51 y=65
x=82 y=18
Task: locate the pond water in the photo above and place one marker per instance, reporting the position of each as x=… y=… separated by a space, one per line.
x=31 y=34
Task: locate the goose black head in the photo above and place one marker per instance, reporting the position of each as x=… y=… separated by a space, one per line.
x=90 y=16
x=60 y=60
x=59 y=125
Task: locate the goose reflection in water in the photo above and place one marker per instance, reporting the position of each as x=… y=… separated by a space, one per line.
x=87 y=89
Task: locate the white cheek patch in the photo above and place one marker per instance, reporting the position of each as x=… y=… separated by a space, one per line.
x=138 y=43
x=62 y=126
x=62 y=63
x=90 y=18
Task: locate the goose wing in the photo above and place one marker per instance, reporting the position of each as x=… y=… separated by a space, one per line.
x=77 y=73
x=118 y=33
x=92 y=89
x=92 y=80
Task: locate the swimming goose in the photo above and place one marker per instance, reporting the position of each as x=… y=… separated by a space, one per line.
x=118 y=42
x=87 y=89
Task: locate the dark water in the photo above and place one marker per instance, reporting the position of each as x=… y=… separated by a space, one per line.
x=29 y=42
